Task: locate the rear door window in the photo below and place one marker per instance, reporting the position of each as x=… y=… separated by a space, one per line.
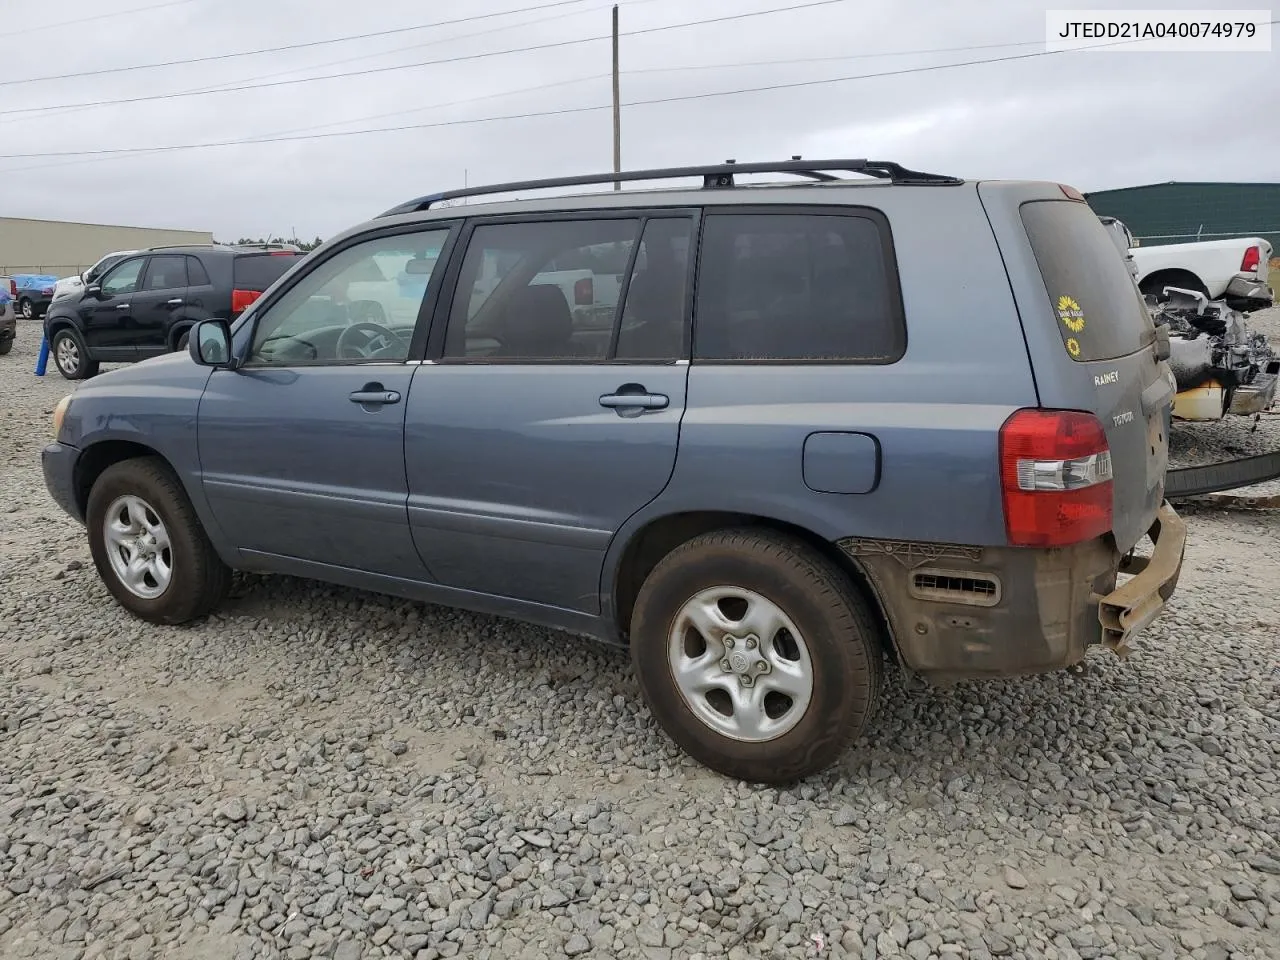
x=166 y=273
x=1099 y=311
x=257 y=271
x=798 y=287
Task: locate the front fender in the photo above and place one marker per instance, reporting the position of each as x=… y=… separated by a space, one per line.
x=155 y=405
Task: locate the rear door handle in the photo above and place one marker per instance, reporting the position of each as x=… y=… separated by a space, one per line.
x=176 y=302
x=123 y=306
x=375 y=397
x=645 y=401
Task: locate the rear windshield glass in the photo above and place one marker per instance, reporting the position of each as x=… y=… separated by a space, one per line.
x=257 y=271
x=1096 y=304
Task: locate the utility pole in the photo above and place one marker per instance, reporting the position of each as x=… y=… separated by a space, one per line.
x=617 y=106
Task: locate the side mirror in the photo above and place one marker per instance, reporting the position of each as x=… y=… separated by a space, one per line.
x=209 y=344
x=93 y=290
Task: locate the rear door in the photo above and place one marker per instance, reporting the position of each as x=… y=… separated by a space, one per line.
x=1090 y=336
x=535 y=433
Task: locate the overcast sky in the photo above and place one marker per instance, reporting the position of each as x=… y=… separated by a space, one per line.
x=1092 y=119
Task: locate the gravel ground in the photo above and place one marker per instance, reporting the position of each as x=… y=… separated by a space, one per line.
x=317 y=772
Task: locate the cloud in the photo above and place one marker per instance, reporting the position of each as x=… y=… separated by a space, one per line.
x=1091 y=119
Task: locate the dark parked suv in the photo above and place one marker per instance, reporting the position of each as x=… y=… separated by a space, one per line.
x=831 y=422
x=144 y=305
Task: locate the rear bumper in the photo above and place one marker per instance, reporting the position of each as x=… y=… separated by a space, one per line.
x=1245 y=288
x=1132 y=607
x=1005 y=611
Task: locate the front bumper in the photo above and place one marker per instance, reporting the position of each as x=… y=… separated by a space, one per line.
x=58 y=460
x=1132 y=607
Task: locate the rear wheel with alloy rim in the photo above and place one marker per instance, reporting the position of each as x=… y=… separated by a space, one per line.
x=756 y=654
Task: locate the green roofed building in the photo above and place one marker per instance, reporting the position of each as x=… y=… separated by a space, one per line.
x=1185 y=212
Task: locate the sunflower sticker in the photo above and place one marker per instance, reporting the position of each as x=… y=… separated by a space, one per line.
x=1070 y=314
x=1073 y=345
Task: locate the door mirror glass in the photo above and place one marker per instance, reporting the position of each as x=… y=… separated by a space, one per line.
x=210 y=344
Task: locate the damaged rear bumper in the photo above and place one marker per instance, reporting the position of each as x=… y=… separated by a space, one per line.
x=967 y=613
x=1133 y=605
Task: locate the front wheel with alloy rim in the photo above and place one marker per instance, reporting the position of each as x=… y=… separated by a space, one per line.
x=70 y=356
x=149 y=546
x=756 y=655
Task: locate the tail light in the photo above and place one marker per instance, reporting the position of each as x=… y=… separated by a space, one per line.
x=1252 y=257
x=584 y=293
x=242 y=300
x=1055 y=471
x=47 y=291
x=13 y=289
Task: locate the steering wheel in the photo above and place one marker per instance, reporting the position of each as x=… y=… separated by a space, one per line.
x=376 y=337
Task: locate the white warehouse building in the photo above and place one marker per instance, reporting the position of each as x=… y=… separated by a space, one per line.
x=64 y=249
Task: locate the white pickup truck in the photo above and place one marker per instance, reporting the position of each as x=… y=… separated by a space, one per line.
x=1232 y=270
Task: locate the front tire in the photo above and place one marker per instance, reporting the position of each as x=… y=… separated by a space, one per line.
x=70 y=355
x=756 y=655
x=148 y=544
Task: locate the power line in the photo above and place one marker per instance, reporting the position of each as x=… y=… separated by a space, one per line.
x=424 y=63
x=292 y=46
x=58 y=112
x=99 y=16
x=565 y=111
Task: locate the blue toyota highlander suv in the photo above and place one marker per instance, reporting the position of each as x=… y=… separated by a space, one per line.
x=867 y=413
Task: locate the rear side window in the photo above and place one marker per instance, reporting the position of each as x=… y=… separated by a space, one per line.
x=1098 y=310
x=197 y=276
x=166 y=273
x=797 y=287
x=257 y=271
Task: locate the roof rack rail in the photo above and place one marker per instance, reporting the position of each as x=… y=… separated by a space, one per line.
x=716 y=176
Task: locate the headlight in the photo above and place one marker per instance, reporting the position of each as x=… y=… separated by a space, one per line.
x=59 y=412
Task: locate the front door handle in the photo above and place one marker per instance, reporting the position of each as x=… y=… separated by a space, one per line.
x=176 y=302
x=123 y=306
x=644 y=401
x=373 y=397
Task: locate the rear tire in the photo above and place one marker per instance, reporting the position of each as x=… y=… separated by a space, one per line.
x=181 y=343
x=26 y=309
x=70 y=355
x=782 y=671
x=6 y=345
x=139 y=512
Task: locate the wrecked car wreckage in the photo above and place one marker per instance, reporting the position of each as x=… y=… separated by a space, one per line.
x=1219 y=365
x=1220 y=368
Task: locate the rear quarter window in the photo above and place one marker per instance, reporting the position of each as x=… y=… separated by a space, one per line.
x=1096 y=305
x=795 y=287
x=257 y=271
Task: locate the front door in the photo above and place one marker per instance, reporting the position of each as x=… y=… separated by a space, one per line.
x=302 y=448
x=108 y=317
x=158 y=302
x=540 y=430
